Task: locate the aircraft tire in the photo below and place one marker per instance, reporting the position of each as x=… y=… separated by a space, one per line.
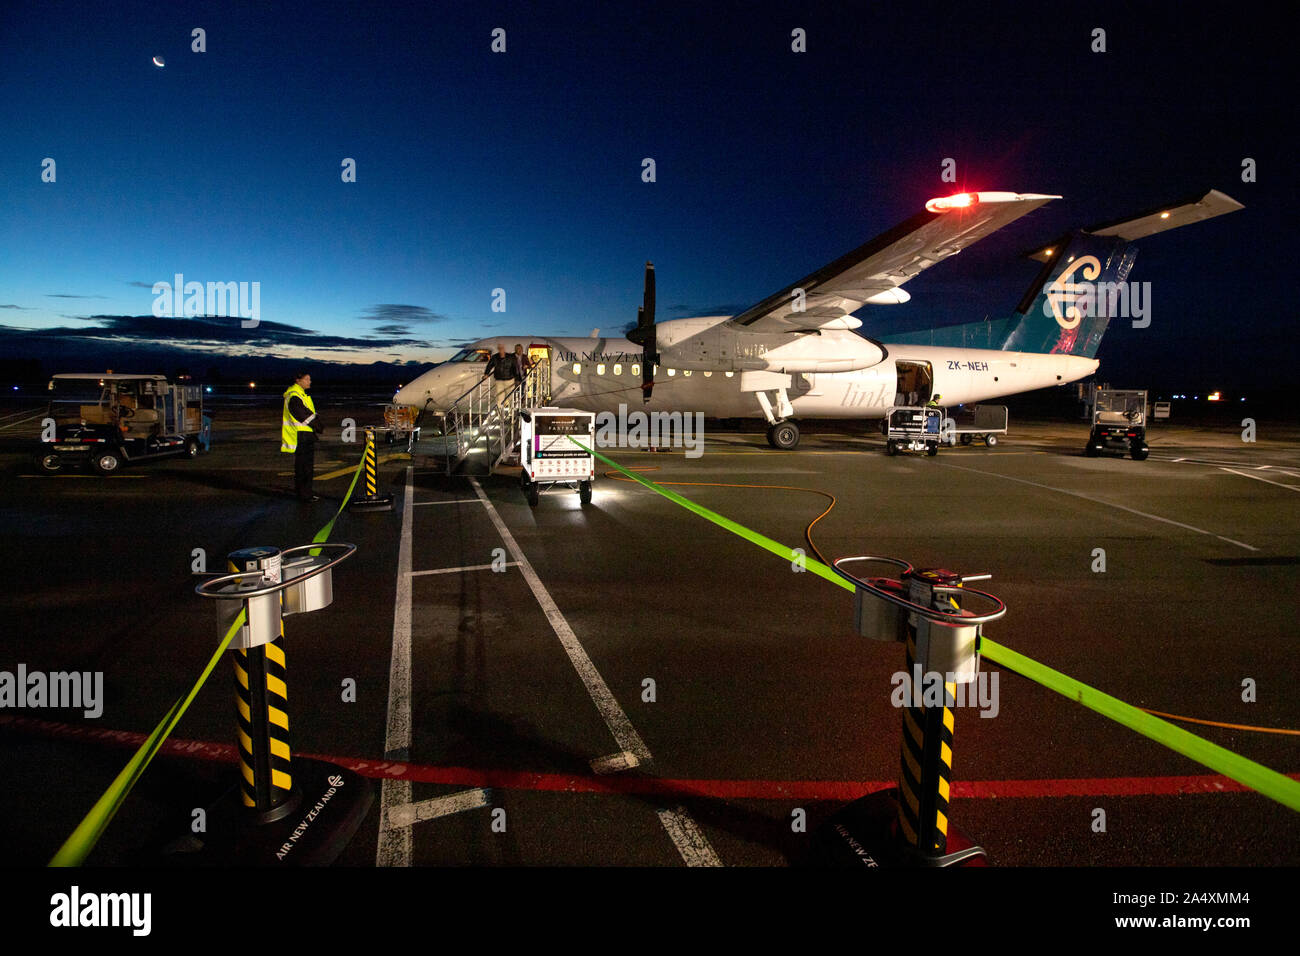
x=783 y=435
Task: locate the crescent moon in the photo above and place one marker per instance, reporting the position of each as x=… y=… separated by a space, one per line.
x=158 y=61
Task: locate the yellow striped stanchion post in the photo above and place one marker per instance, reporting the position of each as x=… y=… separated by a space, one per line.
x=911 y=826
x=262 y=707
x=371 y=501
x=925 y=761
x=294 y=811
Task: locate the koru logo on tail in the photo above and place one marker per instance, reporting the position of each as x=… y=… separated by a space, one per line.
x=1062 y=292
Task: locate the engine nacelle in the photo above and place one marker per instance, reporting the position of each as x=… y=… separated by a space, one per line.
x=709 y=344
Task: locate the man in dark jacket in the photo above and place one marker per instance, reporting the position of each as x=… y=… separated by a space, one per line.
x=504 y=370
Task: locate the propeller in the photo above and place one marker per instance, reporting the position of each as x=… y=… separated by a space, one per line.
x=644 y=334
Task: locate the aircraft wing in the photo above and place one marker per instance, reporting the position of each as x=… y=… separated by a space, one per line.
x=875 y=272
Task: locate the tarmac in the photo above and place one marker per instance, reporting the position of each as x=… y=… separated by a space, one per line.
x=627 y=684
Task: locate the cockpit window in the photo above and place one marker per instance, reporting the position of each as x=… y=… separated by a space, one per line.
x=470 y=355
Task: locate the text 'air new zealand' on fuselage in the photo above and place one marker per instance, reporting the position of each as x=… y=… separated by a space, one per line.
x=796 y=355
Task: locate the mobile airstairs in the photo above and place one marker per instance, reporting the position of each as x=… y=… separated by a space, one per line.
x=480 y=430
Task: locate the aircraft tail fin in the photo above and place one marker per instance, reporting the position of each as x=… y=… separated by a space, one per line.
x=1084 y=279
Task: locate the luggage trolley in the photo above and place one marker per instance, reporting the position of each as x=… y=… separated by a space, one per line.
x=982 y=422
x=547 y=456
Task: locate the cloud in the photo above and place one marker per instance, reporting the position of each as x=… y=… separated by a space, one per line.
x=65 y=295
x=393 y=329
x=204 y=333
x=25 y=308
x=402 y=314
x=142 y=285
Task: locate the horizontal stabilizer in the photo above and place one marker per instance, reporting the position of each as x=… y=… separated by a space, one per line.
x=1160 y=219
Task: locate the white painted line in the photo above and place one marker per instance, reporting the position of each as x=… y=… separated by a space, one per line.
x=409 y=814
x=22 y=411
x=625 y=734
x=468 y=567
x=395 y=842
x=1263 y=467
x=689 y=839
x=450 y=501
x=1267 y=481
x=1108 y=504
x=21 y=420
x=614 y=763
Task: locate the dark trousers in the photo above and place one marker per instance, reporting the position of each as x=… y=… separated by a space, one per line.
x=304 y=464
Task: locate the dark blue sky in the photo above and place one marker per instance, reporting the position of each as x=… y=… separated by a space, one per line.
x=522 y=170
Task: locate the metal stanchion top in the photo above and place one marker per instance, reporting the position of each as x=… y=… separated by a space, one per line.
x=206 y=589
x=933 y=614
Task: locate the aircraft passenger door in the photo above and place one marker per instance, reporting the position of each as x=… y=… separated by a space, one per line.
x=541 y=359
x=914 y=382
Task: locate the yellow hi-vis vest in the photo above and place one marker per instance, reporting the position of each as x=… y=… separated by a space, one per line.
x=289 y=426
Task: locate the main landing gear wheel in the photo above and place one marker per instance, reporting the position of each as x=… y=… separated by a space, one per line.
x=783 y=435
x=584 y=492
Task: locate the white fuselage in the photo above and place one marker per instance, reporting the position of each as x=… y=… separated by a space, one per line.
x=708 y=367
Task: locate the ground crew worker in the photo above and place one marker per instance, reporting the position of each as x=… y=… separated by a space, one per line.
x=297 y=436
x=934 y=402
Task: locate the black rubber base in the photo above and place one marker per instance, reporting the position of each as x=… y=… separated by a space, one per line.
x=377 y=503
x=864 y=834
x=327 y=807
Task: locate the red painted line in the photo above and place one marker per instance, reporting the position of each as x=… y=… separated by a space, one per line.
x=839 y=790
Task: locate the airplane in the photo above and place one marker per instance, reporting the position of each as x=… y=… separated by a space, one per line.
x=797 y=354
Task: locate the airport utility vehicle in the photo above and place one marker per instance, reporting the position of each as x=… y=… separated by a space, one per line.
x=119 y=419
x=913 y=428
x=1119 y=423
x=548 y=457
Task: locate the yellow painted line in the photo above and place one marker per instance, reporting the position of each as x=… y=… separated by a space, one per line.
x=339 y=473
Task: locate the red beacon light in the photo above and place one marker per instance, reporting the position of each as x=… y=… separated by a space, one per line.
x=946 y=203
